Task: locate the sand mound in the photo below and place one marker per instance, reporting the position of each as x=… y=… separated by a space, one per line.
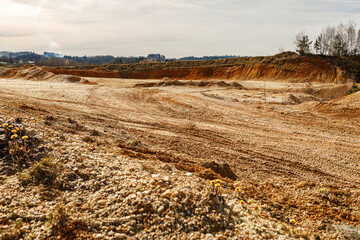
x=291 y=99
x=347 y=106
x=351 y=101
x=30 y=72
x=65 y=78
x=35 y=73
x=328 y=93
x=202 y=83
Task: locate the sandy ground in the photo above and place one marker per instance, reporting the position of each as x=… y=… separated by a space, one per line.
x=260 y=138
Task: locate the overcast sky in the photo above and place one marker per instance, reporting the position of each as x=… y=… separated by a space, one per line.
x=174 y=28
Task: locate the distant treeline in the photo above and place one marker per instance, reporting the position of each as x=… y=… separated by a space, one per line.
x=340 y=40
x=339 y=44
x=52 y=59
x=41 y=60
x=192 y=58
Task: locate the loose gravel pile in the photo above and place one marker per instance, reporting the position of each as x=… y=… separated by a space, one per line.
x=86 y=188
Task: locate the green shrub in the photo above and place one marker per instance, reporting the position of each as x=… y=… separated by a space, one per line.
x=354 y=88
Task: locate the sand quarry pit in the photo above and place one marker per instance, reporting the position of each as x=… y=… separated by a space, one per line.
x=261 y=129
x=266 y=133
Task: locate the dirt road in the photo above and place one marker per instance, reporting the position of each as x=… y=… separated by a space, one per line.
x=258 y=137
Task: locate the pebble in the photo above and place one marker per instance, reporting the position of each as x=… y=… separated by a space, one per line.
x=189 y=174
x=102 y=202
x=26 y=228
x=99 y=235
x=167 y=194
x=209 y=236
x=160 y=210
x=120 y=236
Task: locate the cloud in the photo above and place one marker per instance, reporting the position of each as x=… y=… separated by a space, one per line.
x=54 y=47
x=13 y=34
x=175 y=28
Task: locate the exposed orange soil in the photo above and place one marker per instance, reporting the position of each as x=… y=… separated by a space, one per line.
x=292 y=68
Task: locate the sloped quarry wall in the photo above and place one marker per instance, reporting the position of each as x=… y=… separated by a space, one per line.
x=294 y=69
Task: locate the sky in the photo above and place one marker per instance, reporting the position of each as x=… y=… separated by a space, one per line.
x=174 y=28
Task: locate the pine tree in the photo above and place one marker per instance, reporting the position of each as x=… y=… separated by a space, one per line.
x=317 y=44
x=339 y=46
x=303 y=43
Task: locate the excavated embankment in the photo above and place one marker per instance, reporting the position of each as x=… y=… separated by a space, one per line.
x=283 y=67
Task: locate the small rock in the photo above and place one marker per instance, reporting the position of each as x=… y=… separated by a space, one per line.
x=161 y=209
x=209 y=236
x=167 y=194
x=189 y=174
x=115 y=166
x=219 y=236
x=155 y=175
x=102 y=202
x=133 y=196
x=99 y=235
x=26 y=228
x=120 y=236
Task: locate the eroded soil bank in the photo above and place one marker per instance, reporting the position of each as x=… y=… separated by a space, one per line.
x=288 y=67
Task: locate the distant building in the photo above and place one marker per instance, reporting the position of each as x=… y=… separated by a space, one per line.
x=155 y=58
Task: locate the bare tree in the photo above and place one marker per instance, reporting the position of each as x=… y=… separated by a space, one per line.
x=328 y=35
x=357 y=46
x=341 y=40
x=351 y=36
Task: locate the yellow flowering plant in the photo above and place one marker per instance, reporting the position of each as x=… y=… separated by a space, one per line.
x=216 y=184
x=18 y=142
x=292 y=221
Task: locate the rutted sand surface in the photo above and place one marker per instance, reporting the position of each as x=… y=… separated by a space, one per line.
x=259 y=140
